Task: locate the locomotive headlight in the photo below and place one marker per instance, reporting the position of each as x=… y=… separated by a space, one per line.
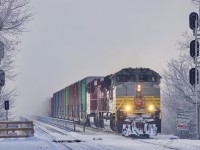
x=151 y=108
x=127 y=108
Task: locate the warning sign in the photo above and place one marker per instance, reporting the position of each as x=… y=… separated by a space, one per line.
x=182 y=126
x=183 y=117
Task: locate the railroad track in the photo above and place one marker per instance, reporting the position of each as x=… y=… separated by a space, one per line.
x=69 y=125
x=147 y=141
x=46 y=129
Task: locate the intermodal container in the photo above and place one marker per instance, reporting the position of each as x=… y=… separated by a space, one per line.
x=82 y=98
x=66 y=102
x=73 y=101
x=53 y=106
x=62 y=103
x=56 y=104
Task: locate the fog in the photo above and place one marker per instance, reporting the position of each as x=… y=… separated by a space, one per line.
x=70 y=39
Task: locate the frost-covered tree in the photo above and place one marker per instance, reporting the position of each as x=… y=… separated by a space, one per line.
x=196 y=2
x=14 y=14
x=177 y=93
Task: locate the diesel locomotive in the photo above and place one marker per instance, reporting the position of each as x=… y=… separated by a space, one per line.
x=128 y=101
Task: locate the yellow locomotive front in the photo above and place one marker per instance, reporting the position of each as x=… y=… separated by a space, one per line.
x=138 y=102
x=135 y=101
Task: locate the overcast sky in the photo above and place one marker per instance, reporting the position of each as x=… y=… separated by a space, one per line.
x=71 y=39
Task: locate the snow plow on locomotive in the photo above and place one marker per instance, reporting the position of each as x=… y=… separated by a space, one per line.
x=128 y=100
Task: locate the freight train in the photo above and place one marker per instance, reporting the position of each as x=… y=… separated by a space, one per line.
x=129 y=100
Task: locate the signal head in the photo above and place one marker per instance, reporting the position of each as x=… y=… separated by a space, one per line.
x=192 y=48
x=192 y=19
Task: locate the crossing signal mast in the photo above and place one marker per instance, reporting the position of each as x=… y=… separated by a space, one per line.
x=194 y=53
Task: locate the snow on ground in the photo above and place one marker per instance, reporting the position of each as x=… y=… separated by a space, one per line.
x=26 y=144
x=45 y=134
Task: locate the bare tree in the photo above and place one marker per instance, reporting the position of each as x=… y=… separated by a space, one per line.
x=177 y=94
x=14 y=15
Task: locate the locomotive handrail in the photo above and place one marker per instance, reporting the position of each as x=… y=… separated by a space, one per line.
x=125 y=98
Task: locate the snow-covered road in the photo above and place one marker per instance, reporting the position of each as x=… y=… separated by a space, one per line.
x=52 y=138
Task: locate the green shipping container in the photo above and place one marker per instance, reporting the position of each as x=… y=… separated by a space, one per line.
x=82 y=98
x=66 y=102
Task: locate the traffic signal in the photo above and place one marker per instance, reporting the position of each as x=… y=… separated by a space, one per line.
x=192 y=76
x=192 y=48
x=192 y=18
x=6 y=105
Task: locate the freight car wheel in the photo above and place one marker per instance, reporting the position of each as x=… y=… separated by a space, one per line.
x=96 y=122
x=146 y=136
x=112 y=125
x=88 y=121
x=101 y=123
x=119 y=126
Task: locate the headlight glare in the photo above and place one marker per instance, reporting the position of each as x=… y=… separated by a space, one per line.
x=127 y=108
x=151 y=107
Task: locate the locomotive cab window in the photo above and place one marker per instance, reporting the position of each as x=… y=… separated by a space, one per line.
x=152 y=78
x=125 y=78
x=143 y=78
x=147 y=78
